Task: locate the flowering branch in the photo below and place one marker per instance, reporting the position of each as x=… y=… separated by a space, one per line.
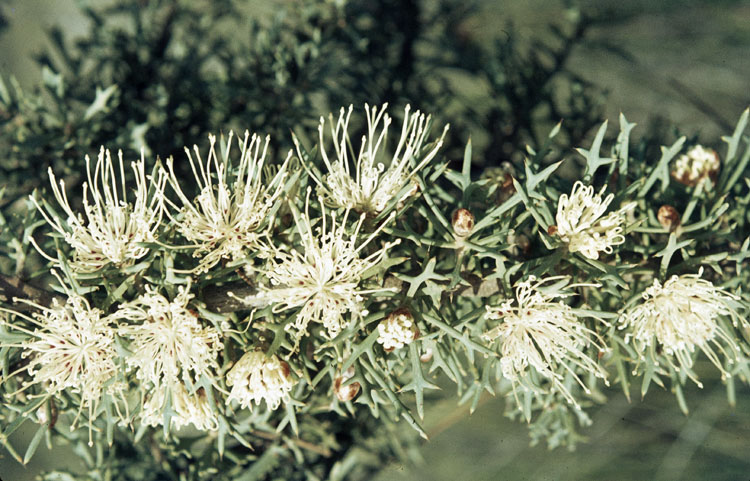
x=355 y=298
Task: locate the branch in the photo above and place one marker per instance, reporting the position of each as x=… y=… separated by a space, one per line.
x=227 y=298
x=14 y=287
x=223 y=299
x=322 y=450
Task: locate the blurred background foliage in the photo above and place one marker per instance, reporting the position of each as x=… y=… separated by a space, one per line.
x=165 y=73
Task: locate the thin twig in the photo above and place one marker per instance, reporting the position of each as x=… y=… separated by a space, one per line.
x=323 y=451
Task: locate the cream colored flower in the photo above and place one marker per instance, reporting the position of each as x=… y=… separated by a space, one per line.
x=366 y=184
x=113 y=228
x=539 y=330
x=256 y=377
x=72 y=348
x=397 y=330
x=683 y=315
x=168 y=343
x=698 y=163
x=186 y=408
x=322 y=279
x=232 y=209
x=580 y=223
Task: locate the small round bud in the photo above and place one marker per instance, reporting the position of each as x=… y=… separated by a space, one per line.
x=346 y=393
x=668 y=217
x=501 y=178
x=426 y=356
x=463 y=222
x=524 y=243
x=41 y=415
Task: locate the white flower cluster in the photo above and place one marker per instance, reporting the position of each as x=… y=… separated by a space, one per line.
x=697 y=164
x=257 y=377
x=369 y=186
x=683 y=315
x=230 y=214
x=397 y=330
x=167 y=341
x=323 y=279
x=170 y=350
x=113 y=229
x=580 y=223
x=72 y=348
x=185 y=408
x=539 y=330
x=313 y=273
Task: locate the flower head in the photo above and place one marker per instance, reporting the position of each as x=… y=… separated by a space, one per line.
x=186 y=408
x=697 y=164
x=683 y=315
x=580 y=223
x=72 y=348
x=232 y=208
x=168 y=343
x=368 y=186
x=397 y=330
x=544 y=333
x=323 y=279
x=256 y=377
x=113 y=228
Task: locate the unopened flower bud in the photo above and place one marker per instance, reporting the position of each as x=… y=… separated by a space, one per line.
x=426 y=355
x=463 y=222
x=501 y=178
x=524 y=243
x=412 y=192
x=397 y=330
x=41 y=415
x=697 y=164
x=347 y=392
x=668 y=217
x=520 y=244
